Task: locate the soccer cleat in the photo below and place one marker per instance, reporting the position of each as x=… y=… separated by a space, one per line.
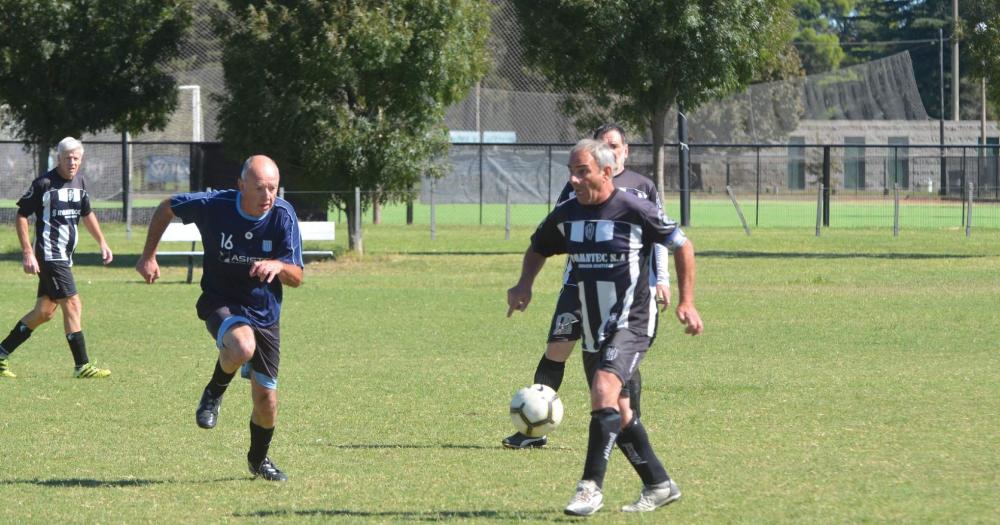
x=89 y=371
x=519 y=440
x=267 y=470
x=653 y=497
x=587 y=500
x=207 y=414
x=5 y=369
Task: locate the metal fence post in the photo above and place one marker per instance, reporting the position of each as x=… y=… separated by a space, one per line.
x=825 y=187
x=127 y=184
x=739 y=211
x=819 y=209
x=358 y=238
x=756 y=220
x=506 y=235
x=895 y=209
x=433 y=214
x=968 y=212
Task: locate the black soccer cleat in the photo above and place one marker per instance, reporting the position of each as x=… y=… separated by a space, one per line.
x=519 y=440
x=267 y=470
x=207 y=414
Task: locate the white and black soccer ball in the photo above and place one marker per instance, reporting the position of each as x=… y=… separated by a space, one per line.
x=536 y=410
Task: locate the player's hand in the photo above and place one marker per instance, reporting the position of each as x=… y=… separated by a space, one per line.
x=266 y=271
x=518 y=298
x=663 y=296
x=106 y=254
x=30 y=263
x=688 y=315
x=148 y=269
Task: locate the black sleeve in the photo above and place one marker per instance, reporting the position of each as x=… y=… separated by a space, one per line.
x=85 y=205
x=31 y=201
x=656 y=227
x=548 y=240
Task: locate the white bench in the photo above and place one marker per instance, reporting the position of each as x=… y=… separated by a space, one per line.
x=180 y=232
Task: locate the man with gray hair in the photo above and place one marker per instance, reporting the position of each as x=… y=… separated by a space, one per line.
x=59 y=201
x=608 y=235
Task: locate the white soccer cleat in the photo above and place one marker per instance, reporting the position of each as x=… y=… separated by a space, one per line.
x=587 y=500
x=653 y=497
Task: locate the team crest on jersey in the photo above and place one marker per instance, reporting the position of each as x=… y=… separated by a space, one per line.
x=611 y=353
x=588 y=231
x=564 y=324
x=266 y=245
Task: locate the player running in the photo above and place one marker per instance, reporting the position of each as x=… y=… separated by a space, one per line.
x=252 y=248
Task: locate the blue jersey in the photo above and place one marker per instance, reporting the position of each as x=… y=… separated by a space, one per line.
x=233 y=241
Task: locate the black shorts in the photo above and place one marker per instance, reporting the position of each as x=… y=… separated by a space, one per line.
x=266 y=357
x=565 y=324
x=55 y=280
x=620 y=355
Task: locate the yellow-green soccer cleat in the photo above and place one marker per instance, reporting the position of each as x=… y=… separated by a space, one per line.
x=5 y=369
x=89 y=371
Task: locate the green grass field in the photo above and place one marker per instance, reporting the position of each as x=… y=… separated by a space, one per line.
x=850 y=378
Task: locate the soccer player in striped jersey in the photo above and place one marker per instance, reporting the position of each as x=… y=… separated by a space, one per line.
x=252 y=247
x=565 y=328
x=59 y=201
x=609 y=235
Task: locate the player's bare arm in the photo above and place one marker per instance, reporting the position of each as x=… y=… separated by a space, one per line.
x=29 y=262
x=147 y=266
x=94 y=227
x=519 y=295
x=288 y=274
x=686 y=312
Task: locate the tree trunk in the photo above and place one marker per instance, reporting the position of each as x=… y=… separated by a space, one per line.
x=376 y=208
x=354 y=239
x=43 y=158
x=657 y=125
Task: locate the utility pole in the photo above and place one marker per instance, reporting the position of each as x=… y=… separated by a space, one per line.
x=954 y=61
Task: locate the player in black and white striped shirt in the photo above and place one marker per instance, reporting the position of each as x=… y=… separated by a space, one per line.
x=609 y=235
x=565 y=328
x=59 y=201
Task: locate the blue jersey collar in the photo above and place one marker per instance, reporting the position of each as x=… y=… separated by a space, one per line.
x=239 y=208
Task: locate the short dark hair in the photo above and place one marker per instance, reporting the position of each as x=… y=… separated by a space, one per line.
x=610 y=126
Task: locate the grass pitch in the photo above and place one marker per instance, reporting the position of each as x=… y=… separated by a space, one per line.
x=842 y=379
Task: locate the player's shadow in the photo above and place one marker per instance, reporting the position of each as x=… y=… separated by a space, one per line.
x=820 y=255
x=348 y=446
x=83 y=482
x=439 y=515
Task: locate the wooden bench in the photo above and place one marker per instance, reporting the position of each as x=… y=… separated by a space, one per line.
x=180 y=232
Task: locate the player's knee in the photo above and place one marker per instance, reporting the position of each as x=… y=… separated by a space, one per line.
x=45 y=314
x=559 y=351
x=265 y=404
x=239 y=351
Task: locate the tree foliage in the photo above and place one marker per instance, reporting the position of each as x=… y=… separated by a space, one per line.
x=69 y=67
x=981 y=29
x=346 y=94
x=638 y=58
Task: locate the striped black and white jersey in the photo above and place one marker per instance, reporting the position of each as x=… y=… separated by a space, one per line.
x=57 y=205
x=643 y=188
x=610 y=246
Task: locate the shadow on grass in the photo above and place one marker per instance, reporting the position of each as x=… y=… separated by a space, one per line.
x=803 y=255
x=128 y=260
x=410 y=446
x=83 y=482
x=440 y=515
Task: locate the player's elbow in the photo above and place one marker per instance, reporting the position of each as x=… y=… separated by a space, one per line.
x=292 y=278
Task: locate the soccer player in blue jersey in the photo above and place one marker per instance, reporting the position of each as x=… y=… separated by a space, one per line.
x=252 y=247
x=59 y=201
x=565 y=328
x=609 y=235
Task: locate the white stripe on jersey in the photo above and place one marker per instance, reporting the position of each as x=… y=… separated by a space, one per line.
x=634 y=244
x=605 y=231
x=576 y=231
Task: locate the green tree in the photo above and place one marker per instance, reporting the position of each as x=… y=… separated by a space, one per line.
x=70 y=67
x=639 y=58
x=817 y=38
x=981 y=30
x=346 y=94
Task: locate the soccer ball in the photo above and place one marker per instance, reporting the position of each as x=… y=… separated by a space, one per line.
x=536 y=410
